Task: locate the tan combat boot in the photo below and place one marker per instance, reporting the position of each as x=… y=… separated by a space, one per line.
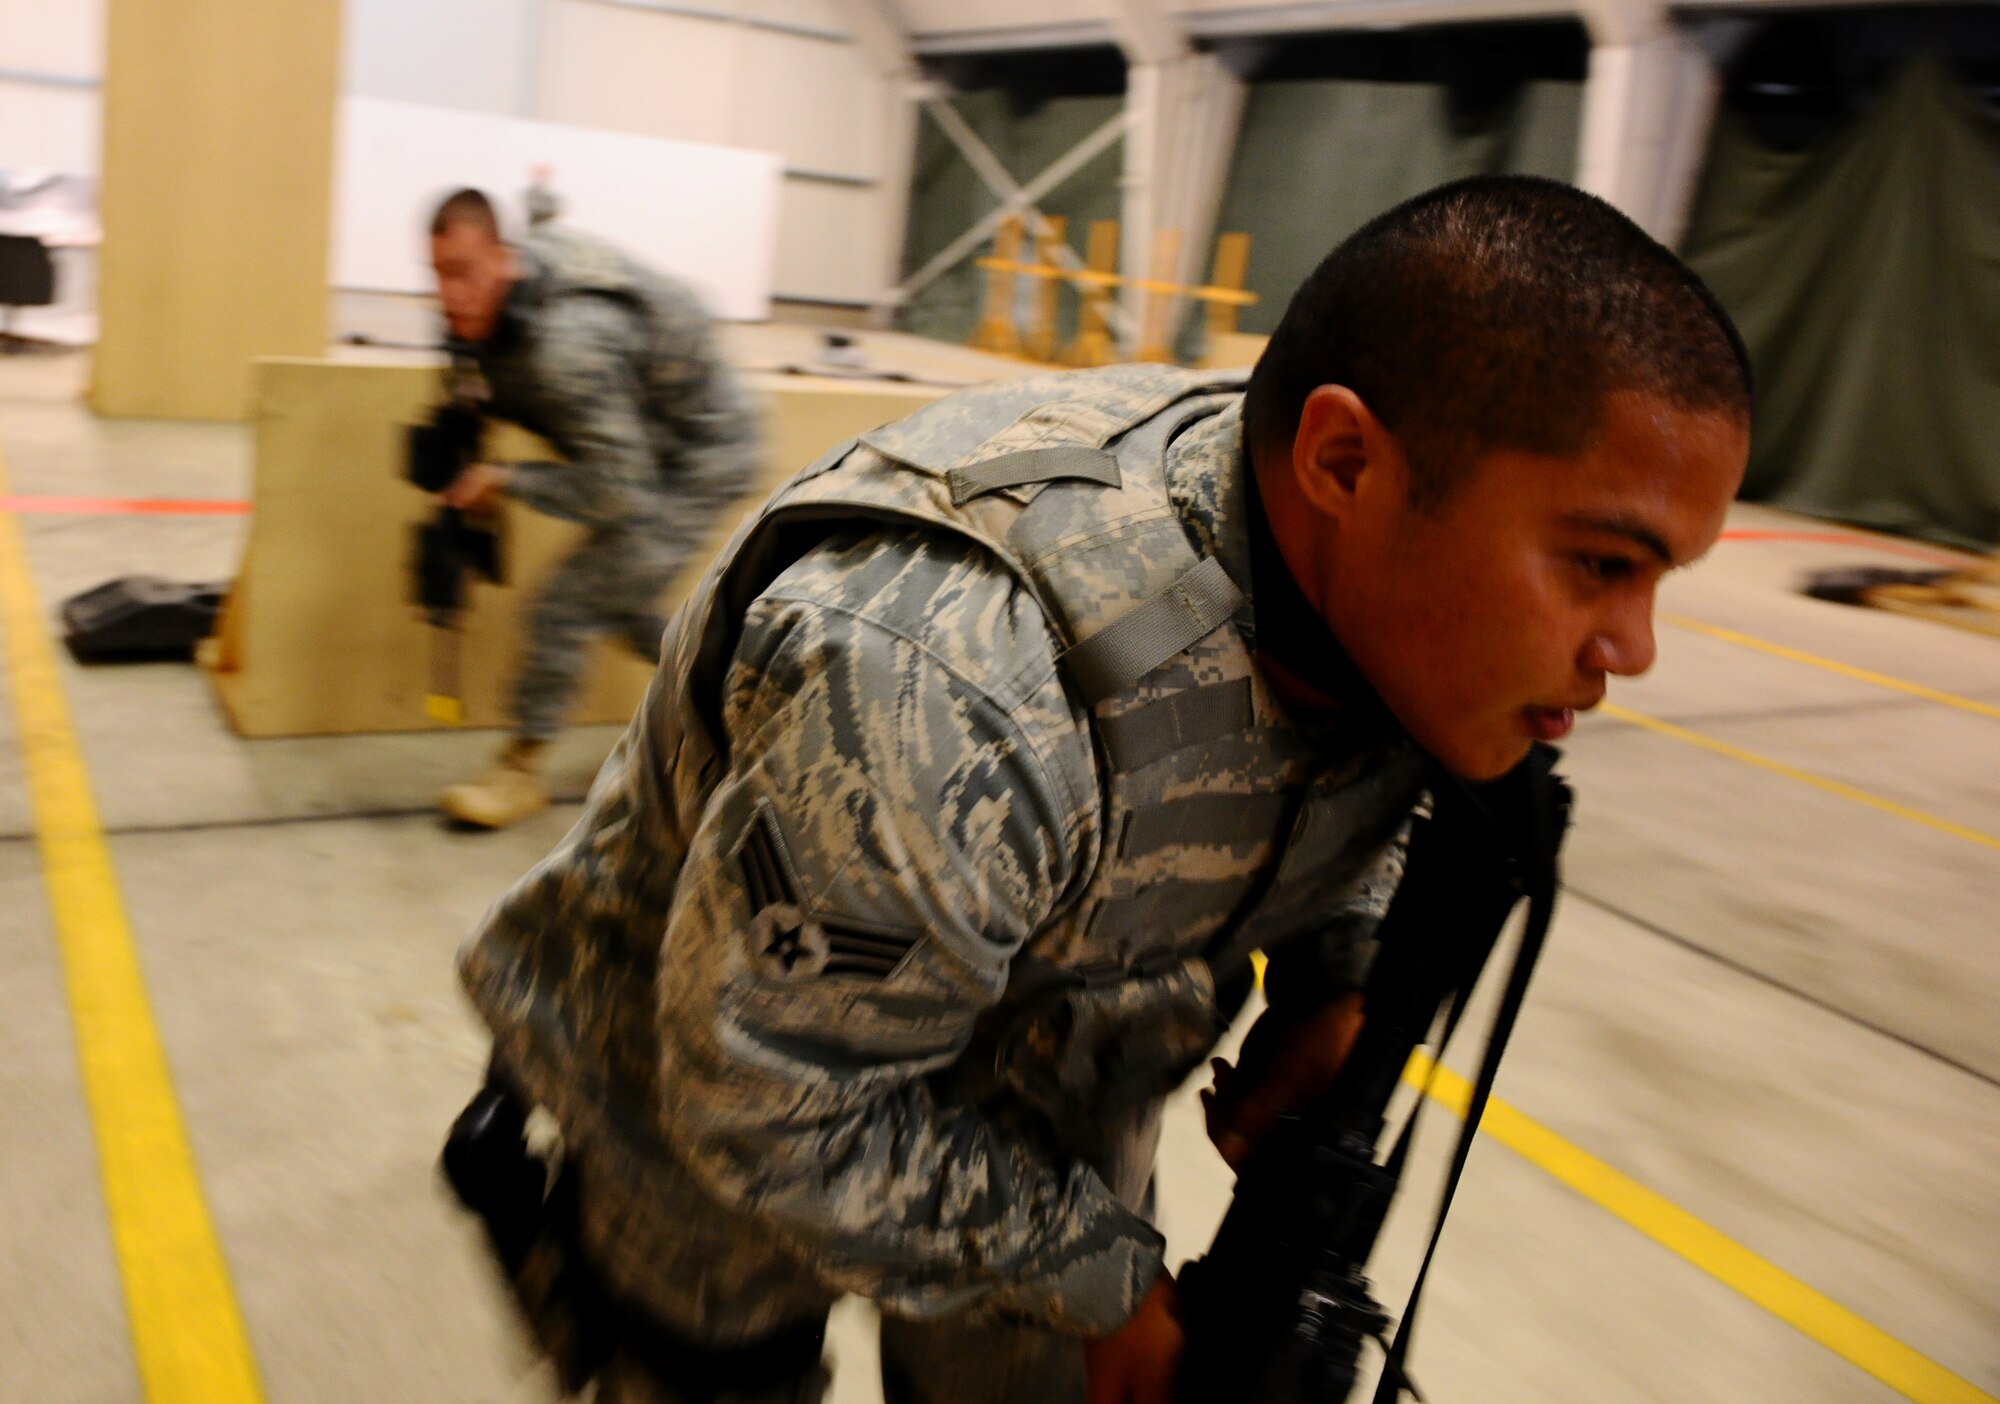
x=511 y=791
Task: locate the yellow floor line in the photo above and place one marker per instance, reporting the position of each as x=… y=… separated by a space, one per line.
x=1845 y=670
x=1776 y=1291
x=187 y=1330
x=1804 y=777
x=187 y=1333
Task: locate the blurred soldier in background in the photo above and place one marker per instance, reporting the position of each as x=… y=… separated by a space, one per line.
x=981 y=763
x=618 y=367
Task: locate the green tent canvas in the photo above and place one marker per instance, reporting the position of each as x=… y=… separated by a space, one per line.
x=1865 y=276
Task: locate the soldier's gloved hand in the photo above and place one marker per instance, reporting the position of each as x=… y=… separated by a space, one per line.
x=1287 y=1062
x=1138 y=1363
x=478 y=485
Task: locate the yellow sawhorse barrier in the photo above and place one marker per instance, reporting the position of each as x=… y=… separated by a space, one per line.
x=998 y=330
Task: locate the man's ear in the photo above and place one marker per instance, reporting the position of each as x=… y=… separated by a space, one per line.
x=1338 y=440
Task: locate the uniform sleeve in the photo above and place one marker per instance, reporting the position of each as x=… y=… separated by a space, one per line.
x=1334 y=957
x=907 y=795
x=590 y=365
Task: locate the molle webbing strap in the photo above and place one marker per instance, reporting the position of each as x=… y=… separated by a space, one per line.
x=1131 y=646
x=1221 y=819
x=1040 y=465
x=1137 y=738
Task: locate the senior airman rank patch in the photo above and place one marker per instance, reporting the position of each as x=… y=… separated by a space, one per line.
x=791 y=941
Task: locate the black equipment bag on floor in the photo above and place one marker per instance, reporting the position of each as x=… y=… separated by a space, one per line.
x=140 y=618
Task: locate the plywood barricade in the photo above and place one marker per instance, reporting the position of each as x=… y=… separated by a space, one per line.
x=319 y=637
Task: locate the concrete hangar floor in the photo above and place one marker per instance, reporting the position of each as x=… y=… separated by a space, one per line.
x=1749 y=1146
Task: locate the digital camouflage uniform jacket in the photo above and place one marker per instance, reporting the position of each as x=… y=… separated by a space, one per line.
x=618 y=367
x=889 y=923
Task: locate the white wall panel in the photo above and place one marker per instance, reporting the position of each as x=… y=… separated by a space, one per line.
x=731 y=79
x=827 y=15
x=644 y=71
x=1358 y=14
x=708 y=214
x=950 y=16
x=45 y=124
x=60 y=37
x=53 y=127
x=815 y=103
x=1197 y=6
x=467 y=54
x=831 y=242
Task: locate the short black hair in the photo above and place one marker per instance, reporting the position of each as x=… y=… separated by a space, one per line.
x=466 y=206
x=1497 y=312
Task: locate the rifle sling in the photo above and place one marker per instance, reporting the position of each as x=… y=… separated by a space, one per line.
x=1541 y=908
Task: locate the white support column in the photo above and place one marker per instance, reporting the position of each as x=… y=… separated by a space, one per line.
x=894 y=172
x=1146 y=98
x=879 y=34
x=1648 y=106
x=1697 y=96
x=1146 y=32
x=1204 y=140
x=1185 y=109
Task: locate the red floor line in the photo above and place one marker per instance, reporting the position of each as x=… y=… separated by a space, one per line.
x=124 y=506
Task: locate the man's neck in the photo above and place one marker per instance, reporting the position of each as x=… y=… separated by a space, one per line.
x=1302 y=658
x=1287 y=519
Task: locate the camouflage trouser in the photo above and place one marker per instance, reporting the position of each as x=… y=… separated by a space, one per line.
x=610 y=585
x=626 y=1381
x=721 y=1277
x=948 y=1362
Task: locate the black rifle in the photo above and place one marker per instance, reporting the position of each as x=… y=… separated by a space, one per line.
x=449 y=547
x=1278 y=1308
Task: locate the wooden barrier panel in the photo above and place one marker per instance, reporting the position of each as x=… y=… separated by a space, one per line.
x=319 y=636
x=217 y=185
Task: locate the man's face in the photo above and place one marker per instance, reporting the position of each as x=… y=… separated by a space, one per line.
x=474 y=272
x=1489 y=622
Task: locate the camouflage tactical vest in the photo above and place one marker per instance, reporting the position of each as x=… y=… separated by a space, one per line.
x=1223 y=829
